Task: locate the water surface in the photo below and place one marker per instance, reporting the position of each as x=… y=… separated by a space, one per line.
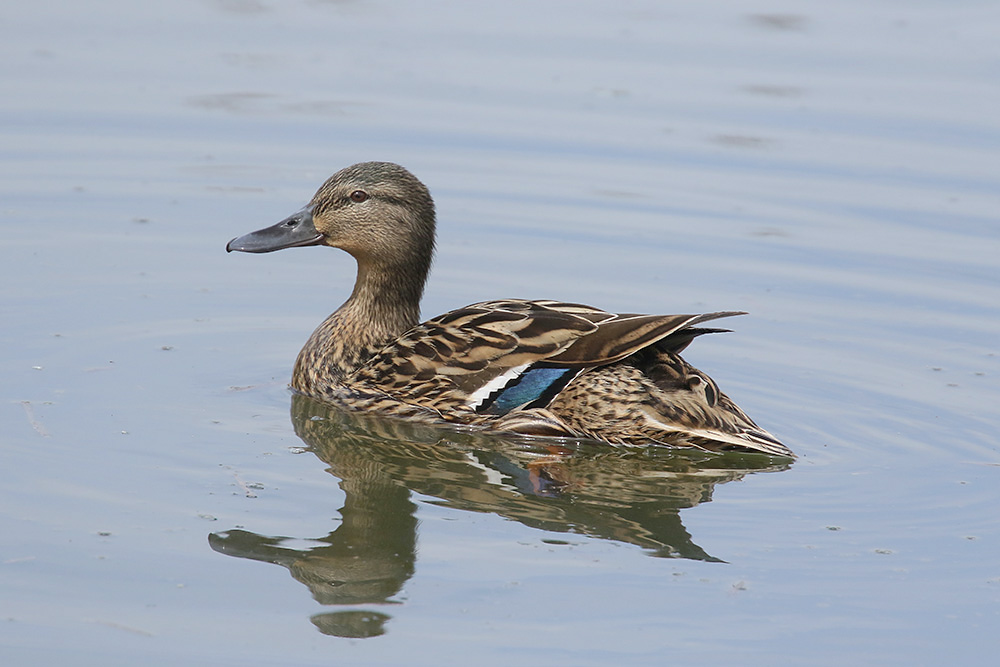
x=832 y=170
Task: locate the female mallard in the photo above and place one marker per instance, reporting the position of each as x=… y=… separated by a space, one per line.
x=532 y=367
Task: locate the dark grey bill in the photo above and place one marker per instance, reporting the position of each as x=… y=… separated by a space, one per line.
x=295 y=230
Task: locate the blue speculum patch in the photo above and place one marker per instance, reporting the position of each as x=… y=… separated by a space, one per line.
x=537 y=384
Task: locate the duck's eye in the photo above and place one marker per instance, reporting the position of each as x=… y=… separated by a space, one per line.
x=359 y=196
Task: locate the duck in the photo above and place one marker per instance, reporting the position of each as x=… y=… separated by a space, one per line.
x=538 y=368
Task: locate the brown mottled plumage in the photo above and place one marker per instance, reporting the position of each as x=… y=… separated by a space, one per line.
x=533 y=367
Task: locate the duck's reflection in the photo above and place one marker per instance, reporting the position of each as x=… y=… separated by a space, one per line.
x=630 y=496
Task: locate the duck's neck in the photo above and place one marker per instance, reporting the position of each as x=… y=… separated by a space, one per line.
x=385 y=303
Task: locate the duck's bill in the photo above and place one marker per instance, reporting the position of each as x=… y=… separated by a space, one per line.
x=295 y=230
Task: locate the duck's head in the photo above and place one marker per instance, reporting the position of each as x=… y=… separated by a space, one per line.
x=377 y=211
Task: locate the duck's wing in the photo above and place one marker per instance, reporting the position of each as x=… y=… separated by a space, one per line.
x=442 y=363
x=496 y=356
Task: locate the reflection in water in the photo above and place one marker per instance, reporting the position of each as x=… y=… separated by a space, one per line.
x=626 y=495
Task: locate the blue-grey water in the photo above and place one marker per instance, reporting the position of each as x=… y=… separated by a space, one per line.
x=834 y=169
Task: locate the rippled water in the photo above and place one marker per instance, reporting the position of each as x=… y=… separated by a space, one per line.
x=831 y=169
